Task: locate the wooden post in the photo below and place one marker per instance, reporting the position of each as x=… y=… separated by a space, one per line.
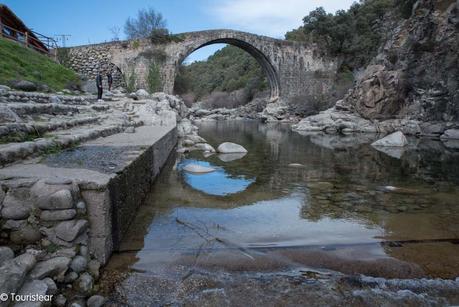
x=26 y=38
x=1 y=27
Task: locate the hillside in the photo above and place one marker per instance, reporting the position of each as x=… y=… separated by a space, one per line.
x=228 y=70
x=20 y=63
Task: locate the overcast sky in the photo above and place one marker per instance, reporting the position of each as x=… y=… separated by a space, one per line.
x=89 y=21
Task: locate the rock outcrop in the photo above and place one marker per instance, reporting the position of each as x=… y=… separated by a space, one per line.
x=411 y=85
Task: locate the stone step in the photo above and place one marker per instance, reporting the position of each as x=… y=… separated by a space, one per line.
x=59 y=140
x=39 y=128
x=22 y=109
x=8 y=96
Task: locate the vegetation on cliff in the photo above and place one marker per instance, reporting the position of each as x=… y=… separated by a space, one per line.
x=20 y=63
x=355 y=34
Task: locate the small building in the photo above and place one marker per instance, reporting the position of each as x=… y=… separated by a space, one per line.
x=11 y=27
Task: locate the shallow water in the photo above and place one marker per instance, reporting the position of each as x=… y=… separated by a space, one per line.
x=342 y=205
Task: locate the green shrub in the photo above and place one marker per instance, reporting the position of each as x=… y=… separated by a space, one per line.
x=153 y=78
x=130 y=81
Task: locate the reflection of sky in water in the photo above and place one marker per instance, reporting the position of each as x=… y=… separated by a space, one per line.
x=278 y=222
x=217 y=183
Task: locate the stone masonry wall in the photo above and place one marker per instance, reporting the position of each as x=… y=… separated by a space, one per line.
x=88 y=60
x=293 y=69
x=44 y=241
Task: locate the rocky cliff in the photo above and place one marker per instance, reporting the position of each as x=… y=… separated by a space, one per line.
x=412 y=80
x=416 y=72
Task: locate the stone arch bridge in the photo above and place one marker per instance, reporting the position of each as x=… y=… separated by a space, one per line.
x=293 y=69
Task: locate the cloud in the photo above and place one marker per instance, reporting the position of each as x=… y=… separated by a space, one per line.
x=269 y=17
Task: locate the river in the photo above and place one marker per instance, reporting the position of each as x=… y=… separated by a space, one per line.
x=276 y=225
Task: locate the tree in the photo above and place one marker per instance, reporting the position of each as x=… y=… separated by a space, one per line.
x=148 y=21
x=115 y=30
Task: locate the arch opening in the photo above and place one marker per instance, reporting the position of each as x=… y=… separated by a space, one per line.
x=262 y=59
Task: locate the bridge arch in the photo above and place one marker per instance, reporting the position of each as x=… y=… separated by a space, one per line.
x=260 y=57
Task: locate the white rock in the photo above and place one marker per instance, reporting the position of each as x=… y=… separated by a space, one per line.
x=229 y=147
x=142 y=93
x=396 y=139
x=198 y=169
x=204 y=147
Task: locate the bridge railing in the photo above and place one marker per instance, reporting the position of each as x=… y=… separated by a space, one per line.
x=32 y=39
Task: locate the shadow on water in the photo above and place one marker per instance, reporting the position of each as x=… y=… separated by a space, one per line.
x=345 y=206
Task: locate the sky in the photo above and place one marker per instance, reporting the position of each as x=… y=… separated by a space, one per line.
x=89 y=21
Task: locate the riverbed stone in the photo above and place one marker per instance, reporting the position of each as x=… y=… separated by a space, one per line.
x=79 y=264
x=13 y=272
x=57 y=201
x=195 y=139
x=6 y=253
x=84 y=283
x=58 y=215
x=228 y=147
x=96 y=301
x=204 y=147
x=451 y=134
x=69 y=230
x=396 y=139
x=50 y=268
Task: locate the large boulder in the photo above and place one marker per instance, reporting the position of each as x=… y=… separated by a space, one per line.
x=380 y=94
x=396 y=139
x=229 y=147
x=140 y=94
x=333 y=120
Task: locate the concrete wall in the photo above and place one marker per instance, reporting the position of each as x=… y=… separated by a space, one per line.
x=112 y=207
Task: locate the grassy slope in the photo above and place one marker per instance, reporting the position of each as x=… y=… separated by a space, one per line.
x=17 y=62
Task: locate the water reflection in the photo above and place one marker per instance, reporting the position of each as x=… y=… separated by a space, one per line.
x=334 y=211
x=218 y=183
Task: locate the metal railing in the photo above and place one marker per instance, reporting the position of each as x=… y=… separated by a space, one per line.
x=35 y=41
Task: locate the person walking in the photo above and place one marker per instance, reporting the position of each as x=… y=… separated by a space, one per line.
x=110 y=80
x=99 y=85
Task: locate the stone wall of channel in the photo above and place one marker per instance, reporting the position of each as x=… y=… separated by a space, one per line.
x=45 y=242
